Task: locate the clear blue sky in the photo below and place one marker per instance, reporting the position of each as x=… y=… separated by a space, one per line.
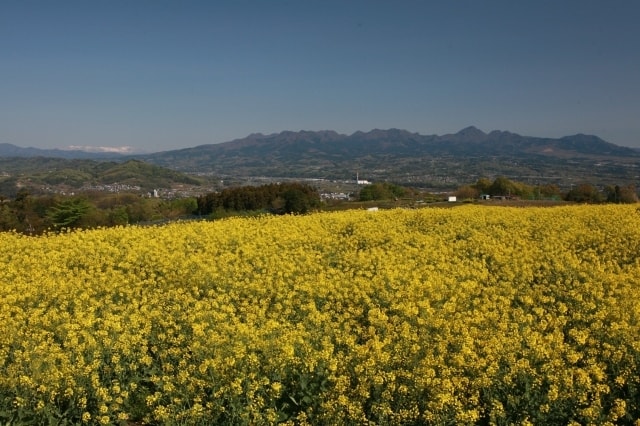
x=158 y=75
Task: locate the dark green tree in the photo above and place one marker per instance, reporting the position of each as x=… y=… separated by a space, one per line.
x=502 y=186
x=382 y=191
x=296 y=201
x=276 y=198
x=118 y=216
x=483 y=185
x=69 y=212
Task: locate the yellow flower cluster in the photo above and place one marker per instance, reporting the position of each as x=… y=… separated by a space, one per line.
x=433 y=316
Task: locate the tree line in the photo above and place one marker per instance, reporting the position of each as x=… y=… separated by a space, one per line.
x=385 y=191
x=35 y=214
x=583 y=193
x=277 y=198
x=503 y=187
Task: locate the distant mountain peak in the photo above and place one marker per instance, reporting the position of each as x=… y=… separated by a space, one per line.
x=468 y=134
x=584 y=138
x=472 y=132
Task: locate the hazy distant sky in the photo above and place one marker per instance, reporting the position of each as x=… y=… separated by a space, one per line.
x=158 y=75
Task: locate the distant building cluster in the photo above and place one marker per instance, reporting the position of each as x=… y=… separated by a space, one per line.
x=170 y=194
x=115 y=187
x=334 y=196
x=53 y=190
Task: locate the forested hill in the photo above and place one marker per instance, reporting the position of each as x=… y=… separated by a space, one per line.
x=40 y=171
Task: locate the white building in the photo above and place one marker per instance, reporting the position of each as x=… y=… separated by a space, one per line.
x=361 y=182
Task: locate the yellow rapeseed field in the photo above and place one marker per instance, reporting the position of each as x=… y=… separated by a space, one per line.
x=472 y=315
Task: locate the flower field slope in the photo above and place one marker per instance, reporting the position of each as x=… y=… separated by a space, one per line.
x=472 y=315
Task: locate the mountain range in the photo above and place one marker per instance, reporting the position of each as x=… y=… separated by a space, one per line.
x=395 y=154
x=10 y=150
x=434 y=161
